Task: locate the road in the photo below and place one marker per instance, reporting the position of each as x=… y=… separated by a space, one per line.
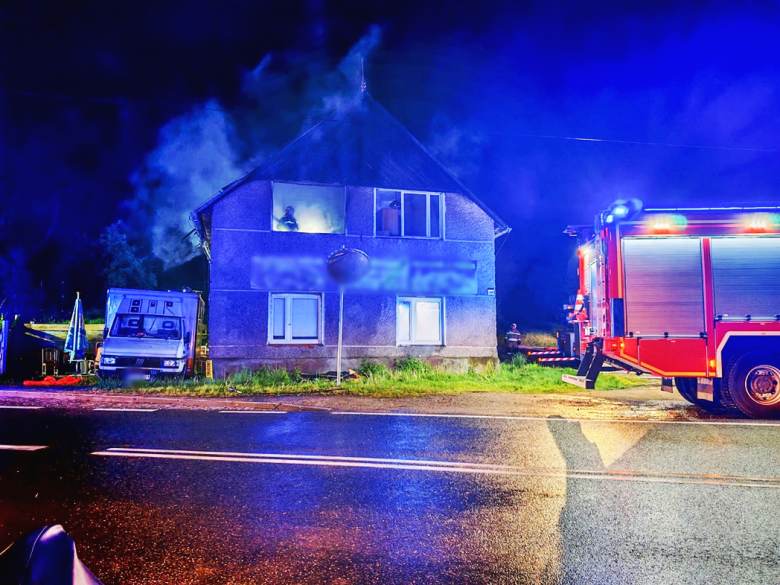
x=201 y=497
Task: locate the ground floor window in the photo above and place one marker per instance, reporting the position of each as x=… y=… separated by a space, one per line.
x=295 y=318
x=420 y=321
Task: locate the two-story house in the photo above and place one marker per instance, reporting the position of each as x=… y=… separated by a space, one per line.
x=357 y=179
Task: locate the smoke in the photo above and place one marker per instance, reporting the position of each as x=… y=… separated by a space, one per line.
x=458 y=148
x=193 y=159
x=210 y=146
x=317 y=209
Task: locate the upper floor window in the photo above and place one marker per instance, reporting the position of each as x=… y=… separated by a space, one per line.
x=408 y=214
x=313 y=209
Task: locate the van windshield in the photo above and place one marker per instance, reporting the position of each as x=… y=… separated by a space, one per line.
x=155 y=326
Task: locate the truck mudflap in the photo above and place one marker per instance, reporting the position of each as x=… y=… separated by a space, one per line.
x=590 y=366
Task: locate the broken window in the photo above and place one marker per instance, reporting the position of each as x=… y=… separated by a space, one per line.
x=408 y=214
x=295 y=318
x=313 y=209
x=419 y=321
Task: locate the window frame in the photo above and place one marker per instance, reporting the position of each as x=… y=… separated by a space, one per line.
x=413 y=321
x=403 y=213
x=288 y=339
x=273 y=218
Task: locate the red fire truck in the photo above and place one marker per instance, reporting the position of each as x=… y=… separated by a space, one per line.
x=690 y=295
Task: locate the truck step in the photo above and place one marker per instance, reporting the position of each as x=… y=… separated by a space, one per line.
x=581 y=381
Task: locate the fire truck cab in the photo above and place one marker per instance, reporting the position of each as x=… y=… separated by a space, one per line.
x=687 y=294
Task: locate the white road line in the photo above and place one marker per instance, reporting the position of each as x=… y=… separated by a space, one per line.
x=257 y=411
x=590 y=420
x=127 y=409
x=445 y=466
x=20 y=407
x=22 y=447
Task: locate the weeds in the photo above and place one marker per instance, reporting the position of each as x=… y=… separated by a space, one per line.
x=373 y=370
x=519 y=360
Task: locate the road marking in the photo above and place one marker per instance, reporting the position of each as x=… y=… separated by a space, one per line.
x=256 y=411
x=20 y=407
x=127 y=409
x=21 y=447
x=589 y=420
x=445 y=466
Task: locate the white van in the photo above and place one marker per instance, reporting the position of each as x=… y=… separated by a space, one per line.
x=151 y=334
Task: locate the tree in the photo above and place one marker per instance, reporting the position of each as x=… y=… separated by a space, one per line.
x=121 y=264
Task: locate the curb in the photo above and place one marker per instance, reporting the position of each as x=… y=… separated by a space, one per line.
x=219 y=402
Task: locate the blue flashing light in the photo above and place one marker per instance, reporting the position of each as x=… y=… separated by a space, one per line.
x=620 y=210
x=609 y=219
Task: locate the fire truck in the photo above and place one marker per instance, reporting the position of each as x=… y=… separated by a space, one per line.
x=691 y=295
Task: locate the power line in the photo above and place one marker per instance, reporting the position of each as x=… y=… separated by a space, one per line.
x=637 y=142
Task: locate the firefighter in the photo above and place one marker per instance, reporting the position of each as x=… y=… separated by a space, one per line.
x=288 y=219
x=512 y=338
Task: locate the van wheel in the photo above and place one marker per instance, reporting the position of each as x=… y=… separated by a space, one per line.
x=687 y=389
x=754 y=384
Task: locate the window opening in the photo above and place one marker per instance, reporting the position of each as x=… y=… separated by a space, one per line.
x=295 y=318
x=408 y=214
x=313 y=209
x=419 y=321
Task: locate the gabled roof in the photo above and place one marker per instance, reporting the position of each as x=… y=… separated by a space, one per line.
x=361 y=146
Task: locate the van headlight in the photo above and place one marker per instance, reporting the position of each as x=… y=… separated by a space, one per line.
x=170 y=363
x=108 y=360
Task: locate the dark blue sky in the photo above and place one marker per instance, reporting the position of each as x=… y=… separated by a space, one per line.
x=493 y=89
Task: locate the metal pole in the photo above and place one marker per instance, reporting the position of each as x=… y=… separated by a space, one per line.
x=341 y=329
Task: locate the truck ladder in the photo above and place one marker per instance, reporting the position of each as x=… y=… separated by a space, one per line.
x=590 y=366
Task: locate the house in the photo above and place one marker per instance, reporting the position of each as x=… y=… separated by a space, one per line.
x=357 y=179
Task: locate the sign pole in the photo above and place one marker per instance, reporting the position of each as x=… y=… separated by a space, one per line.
x=341 y=329
x=344 y=266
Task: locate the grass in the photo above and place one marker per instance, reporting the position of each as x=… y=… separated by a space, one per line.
x=409 y=377
x=538 y=339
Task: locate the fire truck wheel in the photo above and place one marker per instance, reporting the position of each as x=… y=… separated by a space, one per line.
x=754 y=384
x=687 y=389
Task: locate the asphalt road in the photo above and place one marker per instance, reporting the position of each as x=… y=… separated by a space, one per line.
x=201 y=497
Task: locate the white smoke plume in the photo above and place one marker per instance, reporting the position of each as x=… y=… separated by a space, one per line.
x=193 y=159
x=202 y=151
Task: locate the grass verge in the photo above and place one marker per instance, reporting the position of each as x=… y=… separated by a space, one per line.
x=409 y=377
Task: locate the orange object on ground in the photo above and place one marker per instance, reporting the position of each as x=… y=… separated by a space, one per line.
x=52 y=381
x=47 y=381
x=69 y=381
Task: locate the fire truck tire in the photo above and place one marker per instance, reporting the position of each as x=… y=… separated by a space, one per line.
x=753 y=384
x=687 y=389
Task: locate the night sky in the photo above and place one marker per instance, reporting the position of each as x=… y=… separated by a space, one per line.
x=139 y=111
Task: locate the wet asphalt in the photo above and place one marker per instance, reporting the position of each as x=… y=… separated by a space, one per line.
x=203 y=497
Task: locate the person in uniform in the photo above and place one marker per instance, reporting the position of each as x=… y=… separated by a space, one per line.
x=512 y=338
x=288 y=219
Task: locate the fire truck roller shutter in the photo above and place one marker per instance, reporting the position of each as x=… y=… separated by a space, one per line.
x=746 y=277
x=663 y=286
